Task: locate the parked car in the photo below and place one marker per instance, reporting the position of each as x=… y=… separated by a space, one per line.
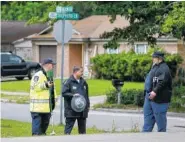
x=14 y=66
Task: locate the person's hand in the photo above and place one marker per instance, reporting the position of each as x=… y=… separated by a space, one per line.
x=50 y=84
x=75 y=95
x=152 y=95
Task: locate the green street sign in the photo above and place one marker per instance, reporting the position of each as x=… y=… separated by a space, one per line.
x=60 y=9
x=64 y=16
x=53 y=15
x=67 y=16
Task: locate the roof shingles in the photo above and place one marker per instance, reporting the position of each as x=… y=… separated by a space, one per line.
x=14 y=30
x=93 y=26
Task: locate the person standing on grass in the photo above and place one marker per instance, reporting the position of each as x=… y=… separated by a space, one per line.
x=158 y=92
x=73 y=87
x=42 y=93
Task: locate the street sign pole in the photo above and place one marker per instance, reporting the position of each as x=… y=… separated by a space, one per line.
x=63 y=33
x=62 y=75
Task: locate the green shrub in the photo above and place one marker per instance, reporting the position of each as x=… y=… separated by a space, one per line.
x=111 y=96
x=175 y=102
x=128 y=97
x=179 y=91
x=180 y=79
x=129 y=66
x=178 y=98
x=136 y=97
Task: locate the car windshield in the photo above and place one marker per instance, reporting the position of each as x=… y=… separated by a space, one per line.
x=15 y=59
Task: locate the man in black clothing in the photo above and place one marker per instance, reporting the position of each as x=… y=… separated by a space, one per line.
x=75 y=86
x=158 y=91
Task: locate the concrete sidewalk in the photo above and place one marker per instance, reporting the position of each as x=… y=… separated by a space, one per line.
x=131 y=137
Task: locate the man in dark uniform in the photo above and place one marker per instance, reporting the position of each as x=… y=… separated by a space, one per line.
x=75 y=86
x=158 y=91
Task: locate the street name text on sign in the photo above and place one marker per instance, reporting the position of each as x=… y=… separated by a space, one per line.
x=64 y=13
x=60 y=9
x=64 y=16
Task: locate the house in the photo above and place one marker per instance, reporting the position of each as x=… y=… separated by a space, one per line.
x=85 y=43
x=13 y=35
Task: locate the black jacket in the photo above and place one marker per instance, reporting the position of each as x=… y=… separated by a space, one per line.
x=162 y=82
x=71 y=87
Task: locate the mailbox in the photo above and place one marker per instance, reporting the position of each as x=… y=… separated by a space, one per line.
x=117 y=83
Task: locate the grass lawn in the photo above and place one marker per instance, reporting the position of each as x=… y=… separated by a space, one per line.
x=12 y=128
x=96 y=87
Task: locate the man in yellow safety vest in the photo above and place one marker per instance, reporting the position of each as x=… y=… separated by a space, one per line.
x=42 y=94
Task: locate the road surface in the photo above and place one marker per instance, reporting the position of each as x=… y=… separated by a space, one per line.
x=102 y=120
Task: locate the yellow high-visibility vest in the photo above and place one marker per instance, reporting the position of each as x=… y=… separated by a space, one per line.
x=39 y=94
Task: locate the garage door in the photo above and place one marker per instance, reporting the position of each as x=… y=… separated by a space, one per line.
x=47 y=51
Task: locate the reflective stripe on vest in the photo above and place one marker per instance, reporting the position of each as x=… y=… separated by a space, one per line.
x=39 y=101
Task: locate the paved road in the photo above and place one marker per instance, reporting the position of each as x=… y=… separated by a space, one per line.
x=102 y=120
x=127 y=137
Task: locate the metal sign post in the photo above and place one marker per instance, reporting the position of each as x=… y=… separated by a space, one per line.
x=62 y=33
x=62 y=76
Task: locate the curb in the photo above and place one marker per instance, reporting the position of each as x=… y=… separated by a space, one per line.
x=11 y=101
x=15 y=93
x=8 y=101
x=171 y=114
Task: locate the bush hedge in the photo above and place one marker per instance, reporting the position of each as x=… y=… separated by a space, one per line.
x=128 y=97
x=129 y=66
x=136 y=97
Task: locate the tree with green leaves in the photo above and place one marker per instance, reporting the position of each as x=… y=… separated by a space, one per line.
x=148 y=20
x=30 y=11
x=37 y=12
x=175 y=21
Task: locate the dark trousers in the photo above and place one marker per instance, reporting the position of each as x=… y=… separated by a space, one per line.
x=154 y=113
x=70 y=123
x=40 y=123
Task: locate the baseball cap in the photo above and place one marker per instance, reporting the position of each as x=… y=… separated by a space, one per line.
x=158 y=54
x=48 y=61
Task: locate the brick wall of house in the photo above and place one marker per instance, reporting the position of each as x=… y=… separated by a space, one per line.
x=181 y=51
x=24 y=49
x=169 y=47
x=66 y=61
x=100 y=49
x=95 y=48
x=35 y=53
x=25 y=53
x=124 y=47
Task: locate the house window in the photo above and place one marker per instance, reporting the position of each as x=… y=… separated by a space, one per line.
x=112 y=51
x=141 y=48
